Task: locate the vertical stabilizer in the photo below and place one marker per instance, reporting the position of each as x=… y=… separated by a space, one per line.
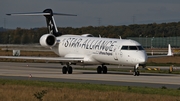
x=51 y=25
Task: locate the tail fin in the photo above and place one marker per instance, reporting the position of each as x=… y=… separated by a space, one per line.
x=48 y=13
x=51 y=25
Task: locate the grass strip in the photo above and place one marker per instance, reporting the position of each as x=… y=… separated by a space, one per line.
x=93 y=87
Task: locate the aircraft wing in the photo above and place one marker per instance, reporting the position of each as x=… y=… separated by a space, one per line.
x=157 y=56
x=62 y=59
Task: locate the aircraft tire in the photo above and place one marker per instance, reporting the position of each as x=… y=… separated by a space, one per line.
x=99 y=69
x=70 y=70
x=64 y=70
x=137 y=73
x=104 y=68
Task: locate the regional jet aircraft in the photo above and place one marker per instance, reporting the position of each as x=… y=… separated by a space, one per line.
x=88 y=50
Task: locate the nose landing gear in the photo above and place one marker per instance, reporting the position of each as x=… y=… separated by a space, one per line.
x=136 y=71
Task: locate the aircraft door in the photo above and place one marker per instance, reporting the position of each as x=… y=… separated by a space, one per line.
x=121 y=54
x=115 y=53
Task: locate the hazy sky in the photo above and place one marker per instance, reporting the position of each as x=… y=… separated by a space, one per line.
x=90 y=12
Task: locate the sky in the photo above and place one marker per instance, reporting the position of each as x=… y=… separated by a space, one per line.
x=90 y=12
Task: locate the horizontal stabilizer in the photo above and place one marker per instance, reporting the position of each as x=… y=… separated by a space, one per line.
x=33 y=13
x=48 y=13
x=39 y=14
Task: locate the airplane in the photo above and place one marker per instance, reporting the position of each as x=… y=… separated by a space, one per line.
x=88 y=50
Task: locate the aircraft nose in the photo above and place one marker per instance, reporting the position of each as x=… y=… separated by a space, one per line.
x=142 y=59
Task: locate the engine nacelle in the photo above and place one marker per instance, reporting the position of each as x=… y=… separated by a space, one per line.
x=87 y=35
x=47 y=40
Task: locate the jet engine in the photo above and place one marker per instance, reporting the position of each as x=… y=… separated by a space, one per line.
x=87 y=35
x=47 y=40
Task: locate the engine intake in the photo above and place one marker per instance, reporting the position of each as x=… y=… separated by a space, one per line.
x=47 y=40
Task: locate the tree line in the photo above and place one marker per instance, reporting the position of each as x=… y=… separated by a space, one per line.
x=28 y=36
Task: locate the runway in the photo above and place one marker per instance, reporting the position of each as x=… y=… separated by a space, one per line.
x=52 y=72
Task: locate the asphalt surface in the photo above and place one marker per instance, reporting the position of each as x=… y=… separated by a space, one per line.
x=52 y=72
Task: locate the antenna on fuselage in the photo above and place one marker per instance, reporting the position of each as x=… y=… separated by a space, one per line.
x=120 y=37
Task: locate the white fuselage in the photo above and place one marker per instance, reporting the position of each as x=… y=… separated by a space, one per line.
x=96 y=50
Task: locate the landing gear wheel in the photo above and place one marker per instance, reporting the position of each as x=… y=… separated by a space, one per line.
x=70 y=70
x=99 y=69
x=104 y=69
x=64 y=70
x=136 y=73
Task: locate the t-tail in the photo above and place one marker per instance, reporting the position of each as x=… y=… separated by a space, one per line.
x=51 y=25
x=48 y=13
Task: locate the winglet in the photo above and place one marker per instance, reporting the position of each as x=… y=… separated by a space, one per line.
x=169 y=50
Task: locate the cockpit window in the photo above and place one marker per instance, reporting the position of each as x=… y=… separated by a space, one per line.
x=124 y=48
x=132 y=48
x=140 y=47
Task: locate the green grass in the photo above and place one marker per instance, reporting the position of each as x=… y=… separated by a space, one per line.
x=21 y=90
x=94 y=87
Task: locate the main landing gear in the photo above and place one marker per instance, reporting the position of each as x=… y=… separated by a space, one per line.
x=67 y=69
x=136 y=71
x=101 y=69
